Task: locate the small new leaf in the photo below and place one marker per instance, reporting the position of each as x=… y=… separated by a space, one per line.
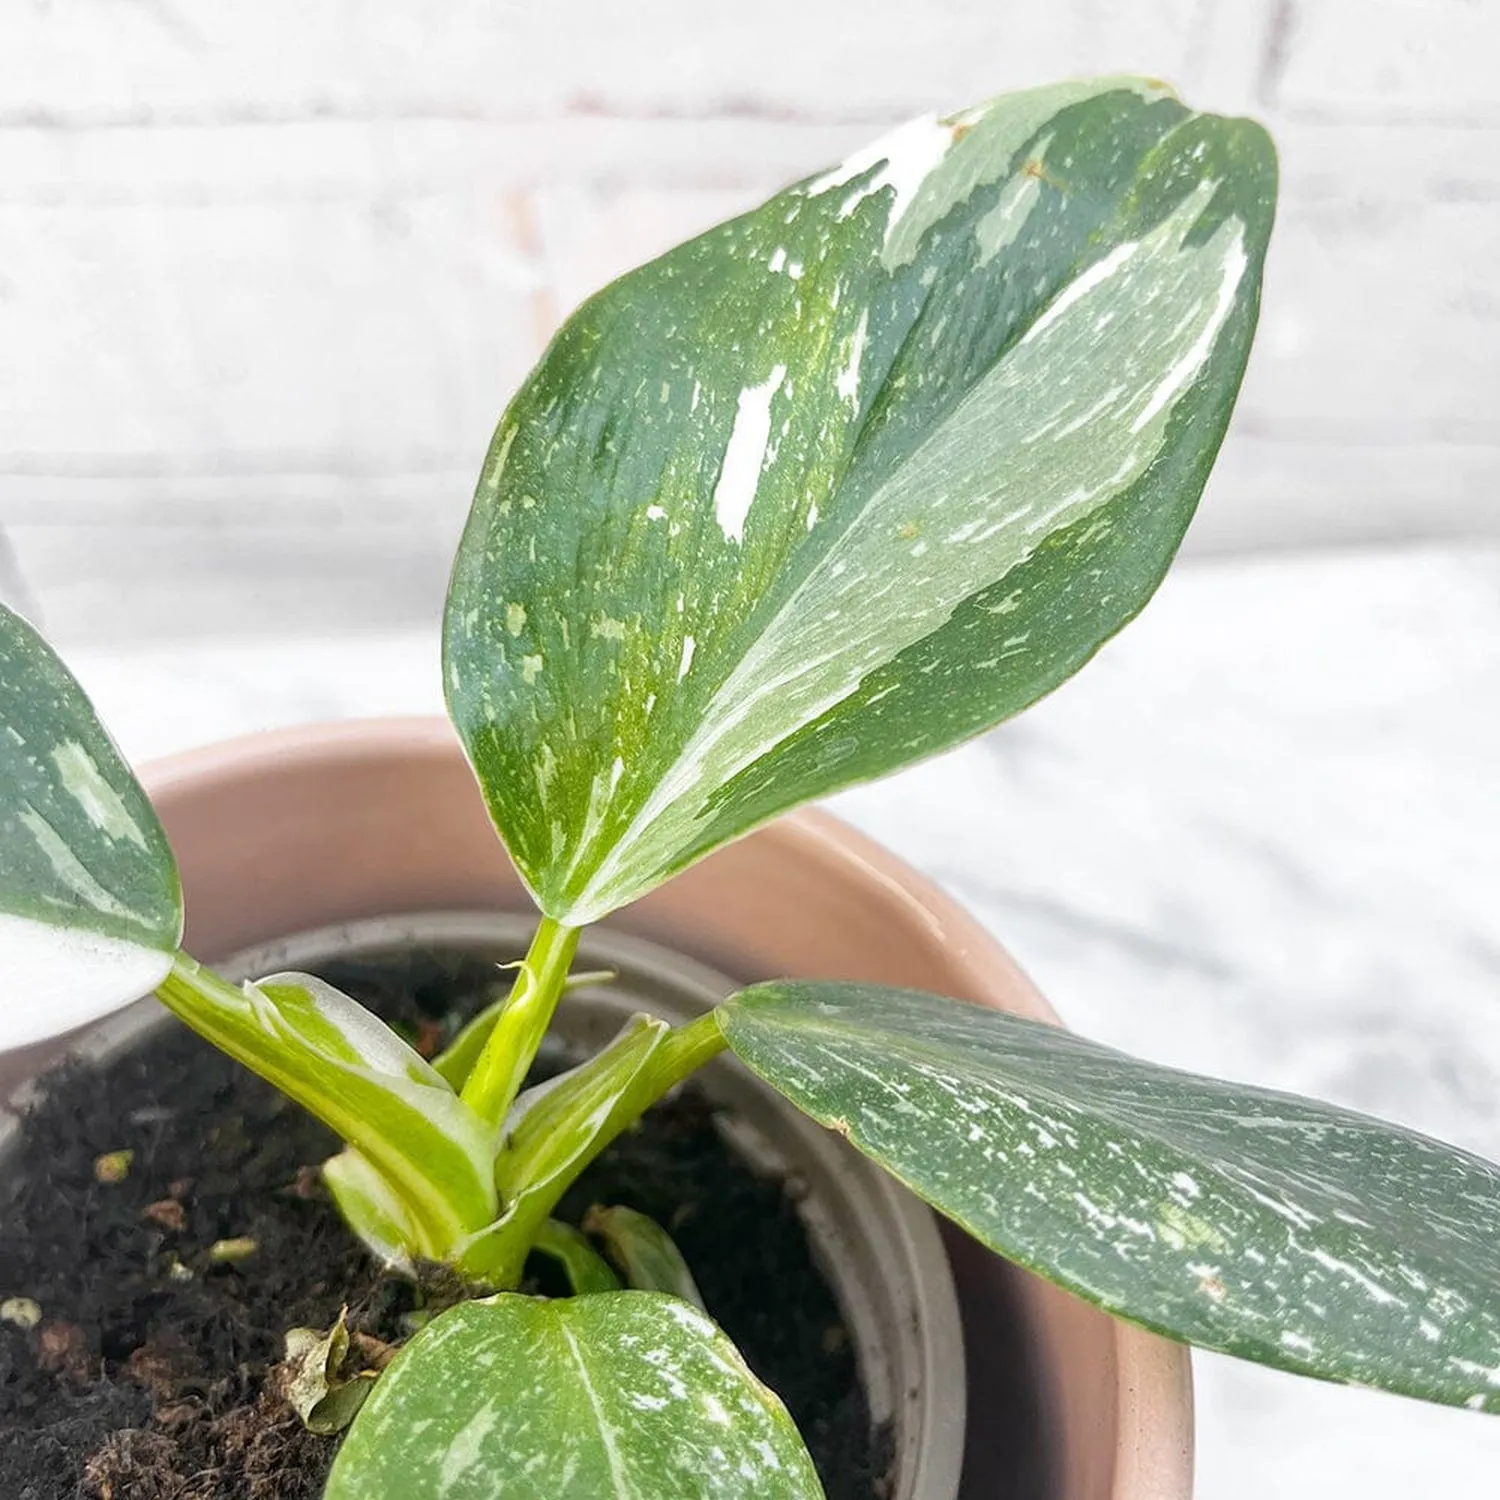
x=850 y=478
x=90 y=904
x=1278 y=1229
x=559 y=1126
x=634 y=1395
x=554 y=1131
x=587 y=1271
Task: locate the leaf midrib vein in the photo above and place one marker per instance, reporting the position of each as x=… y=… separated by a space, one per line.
x=620 y=1477
x=703 y=738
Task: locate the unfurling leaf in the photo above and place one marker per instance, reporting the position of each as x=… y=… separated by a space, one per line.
x=392 y=1105
x=90 y=905
x=633 y=1395
x=557 y=1127
x=1278 y=1229
x=311 y=1379
x=850 y=478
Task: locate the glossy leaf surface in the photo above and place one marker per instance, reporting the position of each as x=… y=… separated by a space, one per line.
x=632 y=1395
x=1276 y=1228
x=90 y=906
x=850 y=478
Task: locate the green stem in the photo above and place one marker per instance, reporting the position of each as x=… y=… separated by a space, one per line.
x=456 y=1061
x=511 y=1049
x=570 y=1124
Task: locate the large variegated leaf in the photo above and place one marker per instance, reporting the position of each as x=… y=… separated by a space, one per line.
x=632 y=1395
x=1275 y=1228
x=90 y=906
x=419 y=1177
x=850 y=478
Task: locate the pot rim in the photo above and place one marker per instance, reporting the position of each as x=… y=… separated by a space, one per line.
x=995 y=976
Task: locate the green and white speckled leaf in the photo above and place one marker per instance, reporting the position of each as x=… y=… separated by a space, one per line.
x=1275 y=1228
x=90 y=905
x=850 y=478
x=632 y=1395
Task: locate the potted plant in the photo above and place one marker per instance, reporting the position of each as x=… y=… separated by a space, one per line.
x=827 y=489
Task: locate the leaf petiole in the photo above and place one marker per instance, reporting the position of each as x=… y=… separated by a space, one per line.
x=511 y=1047
x=456 y=1061
x=562 y=1128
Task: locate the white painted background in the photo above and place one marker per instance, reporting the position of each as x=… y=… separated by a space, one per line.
x=269 y=271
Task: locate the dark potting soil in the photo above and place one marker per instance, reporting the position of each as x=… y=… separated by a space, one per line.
x=151 y=1374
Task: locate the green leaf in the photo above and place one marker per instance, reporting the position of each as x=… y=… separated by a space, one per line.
x=851 y=478
x=587 y=1271
x=423 y=1161
x=1275 y=1228
x=633 y=1395
x=644 y=1251
x=90 y=905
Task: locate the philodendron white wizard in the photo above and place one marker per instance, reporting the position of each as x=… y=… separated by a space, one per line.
x=827 y=489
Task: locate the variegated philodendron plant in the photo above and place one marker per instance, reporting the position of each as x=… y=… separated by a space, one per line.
x=829 y=488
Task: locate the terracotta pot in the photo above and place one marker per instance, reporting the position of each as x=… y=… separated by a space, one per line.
x=285 y=832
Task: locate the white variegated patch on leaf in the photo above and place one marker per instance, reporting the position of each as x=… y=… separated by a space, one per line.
x=631 y=1395
x=90 y=905
x=850 y=478
x=1279 y=1229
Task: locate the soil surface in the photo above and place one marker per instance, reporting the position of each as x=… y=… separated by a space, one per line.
x=149 y=1373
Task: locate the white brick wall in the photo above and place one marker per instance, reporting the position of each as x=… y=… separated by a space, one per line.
x=268 y=272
